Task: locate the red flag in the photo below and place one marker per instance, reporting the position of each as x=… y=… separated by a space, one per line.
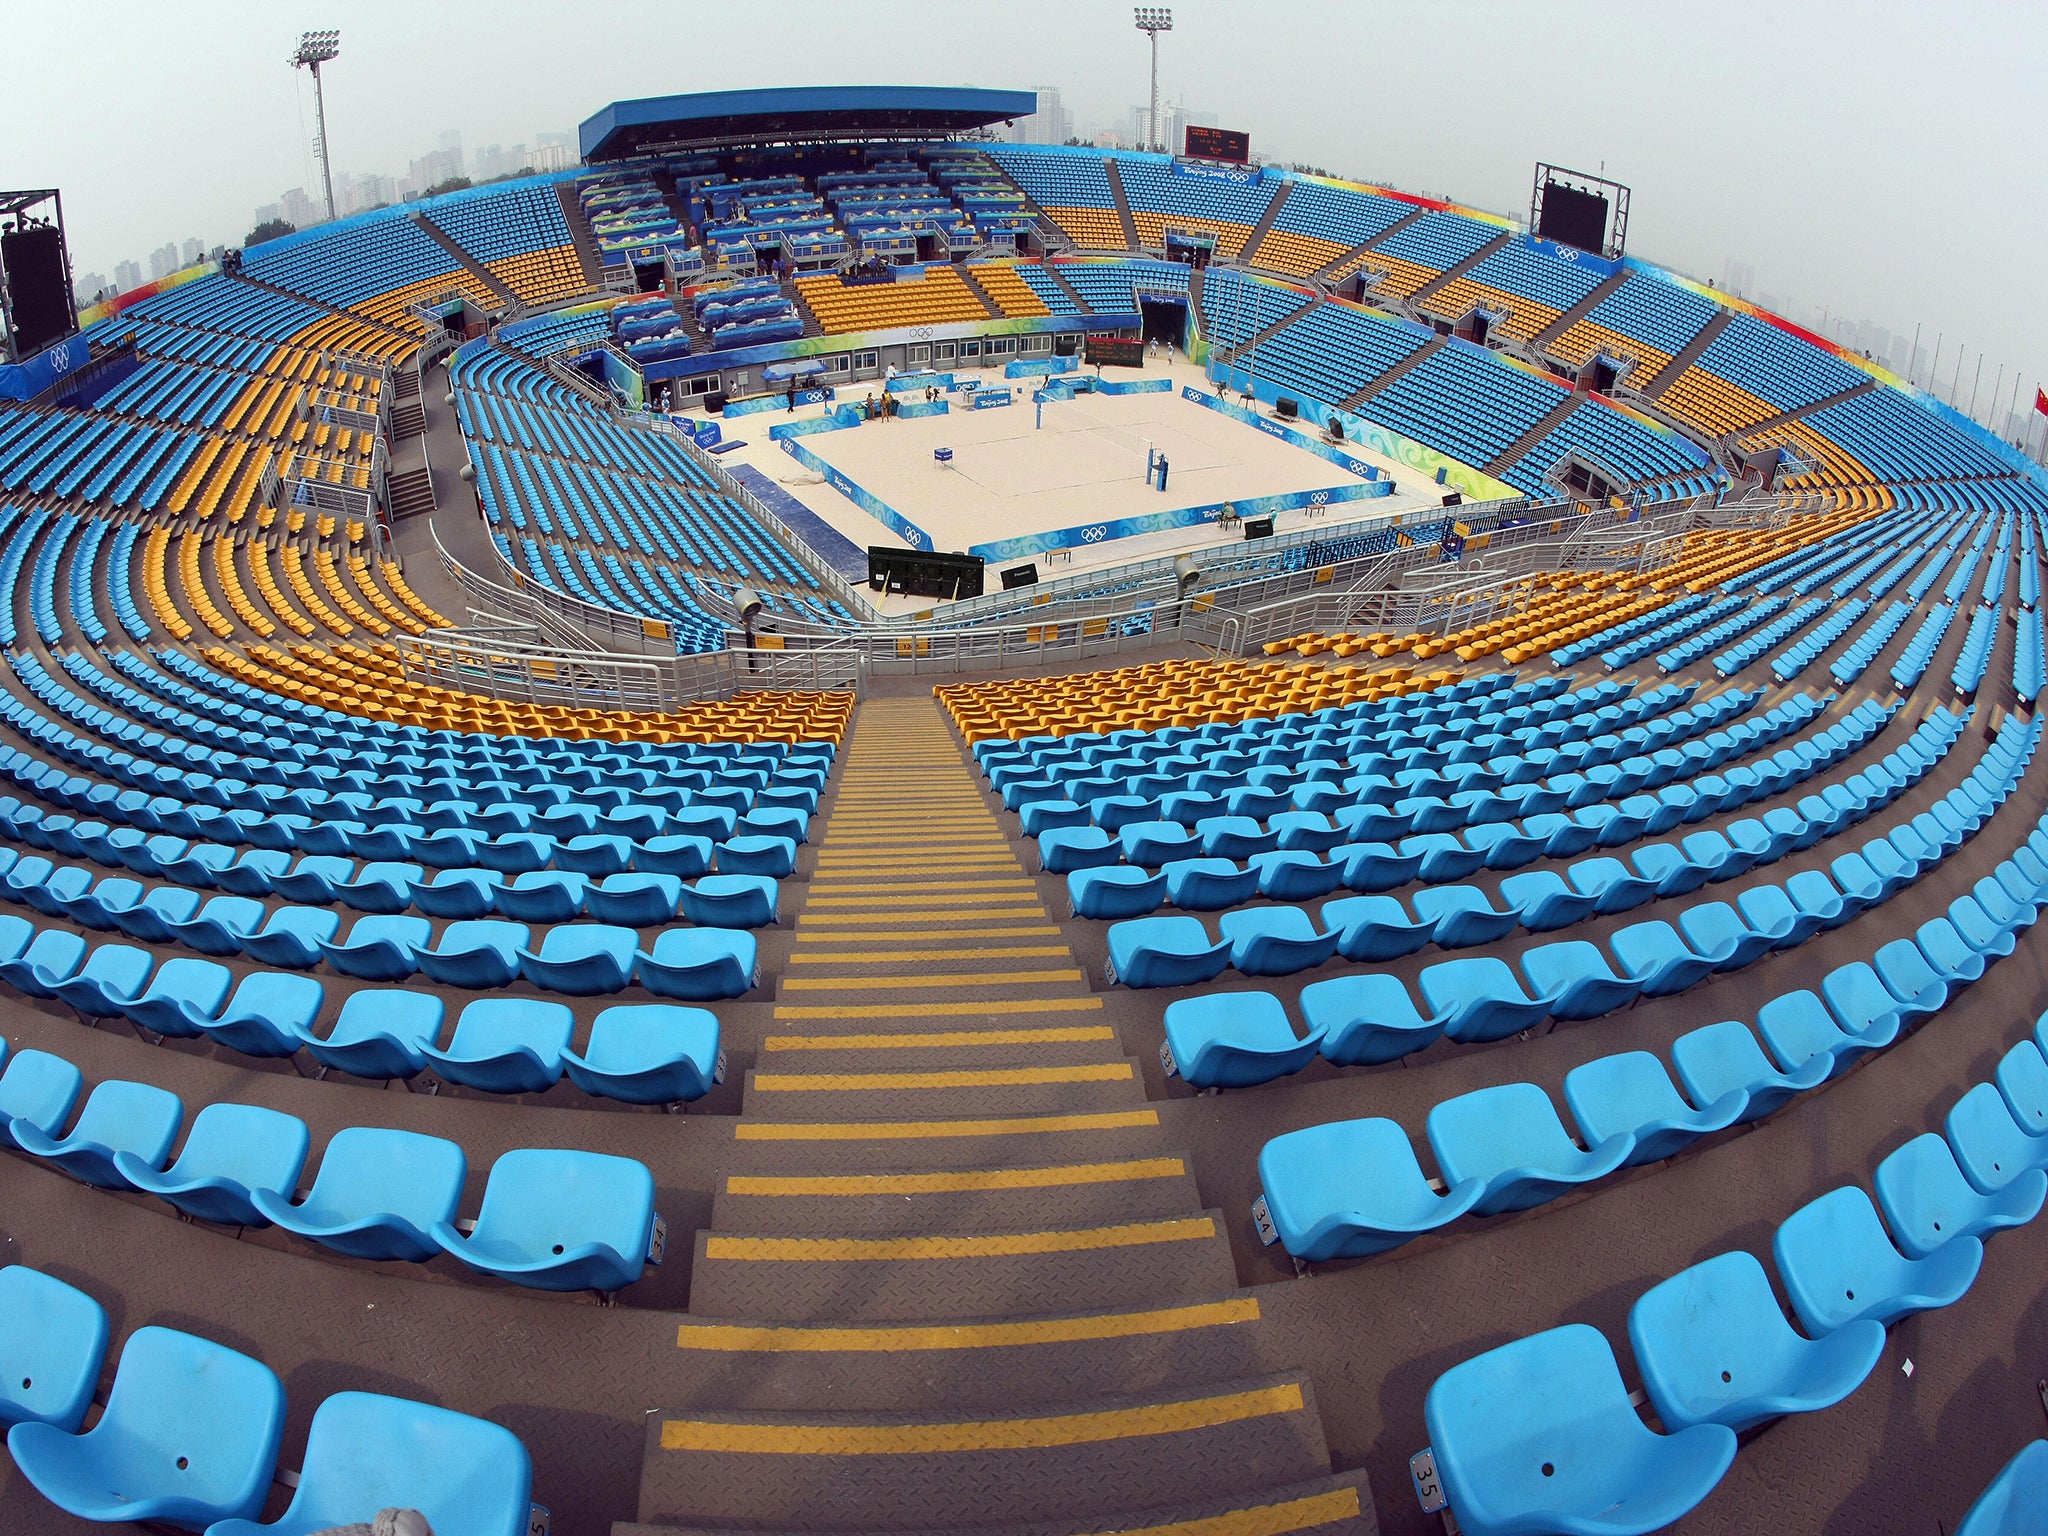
x=2041 y=400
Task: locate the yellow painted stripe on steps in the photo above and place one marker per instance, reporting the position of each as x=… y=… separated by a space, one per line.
x=955 y=1245
x=985 y=898
x=786 y=1339
x=842 y=885
x=784 y=1439
x=997 y=928
x=947 y=1008
x=959 y=1181
x=940 y=1039
x=941 y=1130
x=960 y=1077
x=1303 y=1514
x=1064 y=973
x=976 y=952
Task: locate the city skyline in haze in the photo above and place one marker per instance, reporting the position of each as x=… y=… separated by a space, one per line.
x=1857 y=163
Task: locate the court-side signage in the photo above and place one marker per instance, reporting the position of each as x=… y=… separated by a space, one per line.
x=989 y=399
x=1086 y=534
x=24 y=381
x=1286 y=434
x=865 y=499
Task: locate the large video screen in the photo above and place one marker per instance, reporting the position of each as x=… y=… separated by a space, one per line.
x=34 y=259
x=1573 y=217
x=1218 y=144
x=1118 y=351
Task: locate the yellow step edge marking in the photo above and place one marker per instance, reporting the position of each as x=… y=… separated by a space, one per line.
x=1303 y=1514
x=963 y=1077
x=957 y=1182
x=997 y=929
x=784 y=1439
x=940 y=1039
x=1066 y=974
x=977 y=952
x=1063 y=1330
x=963 y=1245
x=942 y=1130
x=1009 y=899
x=842 y=885
x=948 y=1008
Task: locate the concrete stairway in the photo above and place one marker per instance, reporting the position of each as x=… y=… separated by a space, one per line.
x=1552 y=420
x=1683 y=358
x=1359 y=397
x=954 y=1275
x=1457 y=269
x=1250 y=253
x=464 y=260
x=1577 y=312
x=1123 y=204
x=1349 y=260
x=580 y=235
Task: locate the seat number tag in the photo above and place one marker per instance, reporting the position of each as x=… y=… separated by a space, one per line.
x=1262 y=1218
x=657 y=1241
x=1166 y=1062
x=1422 y=1472
x=718 y=1068
x=537 y=1519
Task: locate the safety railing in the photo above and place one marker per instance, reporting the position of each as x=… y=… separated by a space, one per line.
x=568 y=620
x=506 y=662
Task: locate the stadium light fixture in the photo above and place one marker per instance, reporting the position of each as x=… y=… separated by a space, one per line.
x=1153 y=20
x=315 y=49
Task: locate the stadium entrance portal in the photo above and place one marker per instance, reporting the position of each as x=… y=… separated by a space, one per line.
x=1165 y=320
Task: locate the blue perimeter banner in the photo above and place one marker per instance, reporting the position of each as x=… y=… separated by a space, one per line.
x=779 y=402
x=1067 y=389
x=1027 y=367
x=24 y=381
x=1237 y=176
x=1288 y=435
x=1091 y=534
x=866 y=500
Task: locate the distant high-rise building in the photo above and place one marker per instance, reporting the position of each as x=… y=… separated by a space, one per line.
x=191 y=250
x=1052 y=123
x=164 y=260
x=1175 y=122
x=88 y=287
x=450 y=143
x=1738 y=278
x=375 y=191
x=430 y=170
x=269 y=213
x=552 y=152
x=127 y=276
x=297 y=209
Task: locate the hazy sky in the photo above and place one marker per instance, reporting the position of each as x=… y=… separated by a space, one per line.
x=1882 y=158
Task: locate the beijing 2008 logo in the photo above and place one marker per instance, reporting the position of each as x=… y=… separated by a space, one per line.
x=60 y=357
x=1094 y=535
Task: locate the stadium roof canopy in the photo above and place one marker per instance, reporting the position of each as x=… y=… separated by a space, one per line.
x=795 y=114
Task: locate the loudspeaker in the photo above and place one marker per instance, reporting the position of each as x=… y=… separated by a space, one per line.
x=1020 y=576
x=1453 y=499
x=714 y=403
x=1258 y=528
x=1286 y=408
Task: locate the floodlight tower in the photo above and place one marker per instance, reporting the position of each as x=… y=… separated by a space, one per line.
x=1153 y=20
x=315 y=49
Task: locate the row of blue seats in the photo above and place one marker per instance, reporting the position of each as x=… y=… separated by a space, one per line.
x=2029 y=663
x=1805 y=651
x=223 y=1414
x=1739 y=656
x=1639 y=637
x=1918 y=655
x=1974 y=660
x=1698 y=644
x=1370 y=811
x=708 y=959
x=1864 y=649
x=1717 y=1354
x=1278 y=940
x=552 y=1219
x=1354 y=1188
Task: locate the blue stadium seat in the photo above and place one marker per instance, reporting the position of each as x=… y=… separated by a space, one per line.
x=505 y=1045
x=189 y=1437
x=1714 y=1348
x=1234 y=1040
x=583 y=959
x=1839 y=1266
x=1353 y=1188
x=1539 y=1435
x=649 y=1054
x=1164 y=952
x=1926 y=1200
x=474 y=952
x=53 y=1341
x=1510 y=1138
x=137 y=1118
x=379 y=1033
x=376 y=1195
x=2015 y=1503
x=699 y=964
x=231 y=1150
x=1366 y=1019
x=1630 y=1093
x=560 y=1221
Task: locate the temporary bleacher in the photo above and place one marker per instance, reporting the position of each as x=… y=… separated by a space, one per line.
x=518 y=234
x=1073 y=189
x=1646 y=319
x=1751 y=372
x=936 y=296
x=378 y=265
x=1161 y=199
x=1320 y=222
x=1532 y=285
x=1412 y=257
x=1464 y=403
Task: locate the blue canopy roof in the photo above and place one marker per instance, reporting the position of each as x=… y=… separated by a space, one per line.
x=655 y=123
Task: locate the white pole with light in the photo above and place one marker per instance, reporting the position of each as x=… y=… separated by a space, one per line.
x=1153 y=20
x=315 y=49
